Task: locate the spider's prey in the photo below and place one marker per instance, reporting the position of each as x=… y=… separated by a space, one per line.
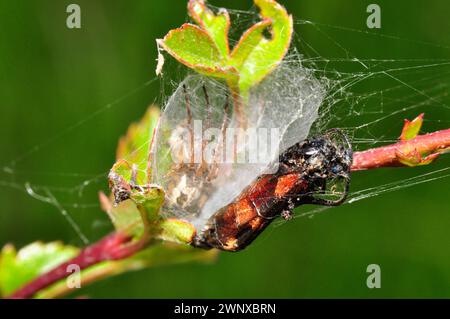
x=314 y=171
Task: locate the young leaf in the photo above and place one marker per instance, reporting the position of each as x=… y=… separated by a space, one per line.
x=136 y=203
x=20 y=267
x=411 y=128
x=407 y=153
x=248 y=42
x=217 y=26
x=205 y=49
x=194 y=47
x=410 y=157
x=134 y=208
x=125 y=216
x=255 y=56
x=148 y=202
x=178 y=231
x=134 y=147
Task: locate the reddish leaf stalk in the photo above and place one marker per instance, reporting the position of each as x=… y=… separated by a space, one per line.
x=117 y=246
x=391 y=155
x=112 y=247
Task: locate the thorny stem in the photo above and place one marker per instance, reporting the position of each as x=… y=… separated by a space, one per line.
x=119 y=246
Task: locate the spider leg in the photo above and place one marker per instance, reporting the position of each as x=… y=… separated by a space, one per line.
x=328 y=202
x=335 y=133
x=208 y=106
x=217 y=151
x=133 y=182
x=339 y=132
x=201 y=168
x=261 y=110
x=189 y=120
x=150 y=153
x=133 y=179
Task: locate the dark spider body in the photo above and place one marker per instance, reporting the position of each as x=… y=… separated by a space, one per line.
x=304 y=173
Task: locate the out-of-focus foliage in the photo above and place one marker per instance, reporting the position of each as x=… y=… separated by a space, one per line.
x=19 y=267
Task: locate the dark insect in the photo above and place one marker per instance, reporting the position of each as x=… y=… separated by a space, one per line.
x=230 y=205
x=314 y=171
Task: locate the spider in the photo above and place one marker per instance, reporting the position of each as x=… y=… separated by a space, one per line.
x=313 y=171
x=307 y=174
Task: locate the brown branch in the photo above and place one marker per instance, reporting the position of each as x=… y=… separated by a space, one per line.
x=118 y=246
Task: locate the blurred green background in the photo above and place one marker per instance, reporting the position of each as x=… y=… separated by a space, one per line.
x=60 y=122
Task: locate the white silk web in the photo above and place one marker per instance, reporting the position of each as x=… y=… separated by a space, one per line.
x=366 y=96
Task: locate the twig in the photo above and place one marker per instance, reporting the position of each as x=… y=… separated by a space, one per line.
x=119 y=246
x=112 y=247
x=404 y=153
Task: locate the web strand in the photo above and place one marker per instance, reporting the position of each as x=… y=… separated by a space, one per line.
x=350 y=96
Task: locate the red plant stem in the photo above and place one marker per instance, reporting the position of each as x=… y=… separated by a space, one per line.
x=388 y=156
x=112 y=247
x=117 y=246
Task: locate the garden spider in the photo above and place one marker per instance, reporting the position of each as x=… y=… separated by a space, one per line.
x=312 y=171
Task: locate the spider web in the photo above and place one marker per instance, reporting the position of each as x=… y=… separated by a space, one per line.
x=366 y=96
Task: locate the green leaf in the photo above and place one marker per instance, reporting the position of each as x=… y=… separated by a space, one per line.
x=255 y=56
x=125 y=216
x=193 y=47
x=407 y=152
x=133 y=209
x=129 y=179
x=411 y=128
x=136 y=202
x=134 y=147
x=148 y=202
x=411 y=157
x=177 y=231
x=217 y=26
x=205 y=48
x=20 y=267
x=248 y=42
